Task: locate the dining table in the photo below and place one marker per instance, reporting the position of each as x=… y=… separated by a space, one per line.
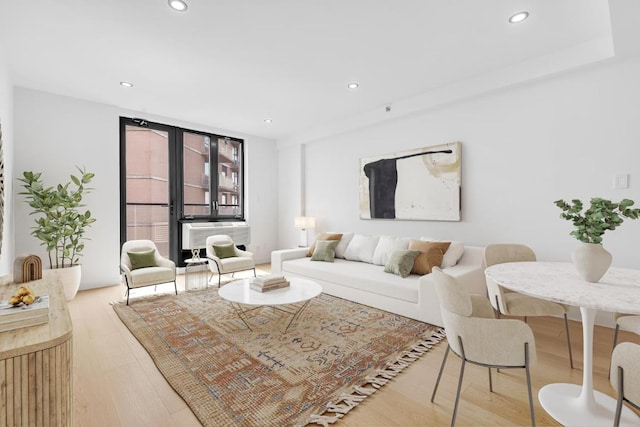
x=617 y=291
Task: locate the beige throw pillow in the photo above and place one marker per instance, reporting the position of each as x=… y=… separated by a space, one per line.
x=431 y=255
x=323 y=236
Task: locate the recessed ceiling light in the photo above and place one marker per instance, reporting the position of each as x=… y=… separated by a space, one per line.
x=268 y=120
x=353 y=85
x=519 y=17
x=126 y=84
x=178 y=5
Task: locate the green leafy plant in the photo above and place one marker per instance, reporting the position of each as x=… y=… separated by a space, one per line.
x=61 y=224
x=601 y=216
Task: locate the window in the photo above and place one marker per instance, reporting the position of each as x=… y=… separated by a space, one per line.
x=171 y=175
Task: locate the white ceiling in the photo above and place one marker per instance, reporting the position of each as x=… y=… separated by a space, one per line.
x=232 y=63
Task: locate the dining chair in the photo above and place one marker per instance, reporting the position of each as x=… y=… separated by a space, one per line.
x=510 y=303
x=224 y=257
x=625 y=376
x=142 y=265
x=477 y=337
x=625 y=322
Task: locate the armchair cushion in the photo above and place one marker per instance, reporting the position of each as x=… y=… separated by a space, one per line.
x=224 y=251
x=142 y=259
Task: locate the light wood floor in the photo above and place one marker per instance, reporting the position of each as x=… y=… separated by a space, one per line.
x=117 y=384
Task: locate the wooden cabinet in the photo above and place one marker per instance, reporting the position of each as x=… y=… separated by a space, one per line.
x=36 y=385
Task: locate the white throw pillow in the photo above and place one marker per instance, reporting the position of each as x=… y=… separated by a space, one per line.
x=386 y=246
x=453 y=254
x=361 y=248
x=342 y=246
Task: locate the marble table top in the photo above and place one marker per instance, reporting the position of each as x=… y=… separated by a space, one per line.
x=618 y=290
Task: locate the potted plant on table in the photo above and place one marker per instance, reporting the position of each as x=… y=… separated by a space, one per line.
x=61 y=223
x=590 y=258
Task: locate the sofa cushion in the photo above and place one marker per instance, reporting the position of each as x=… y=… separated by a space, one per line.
x=431 y=255
x=323 y=236
x=344 y=242
x=452 y=255
x=325 y=250
x=356 y=275
x=361 y=248
x=401 y=262
x=386 y=246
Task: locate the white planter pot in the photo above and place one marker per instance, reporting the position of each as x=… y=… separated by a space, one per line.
x=591 y=261
x=70 y=278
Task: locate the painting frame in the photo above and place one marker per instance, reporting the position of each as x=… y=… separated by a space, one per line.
x=421 y=184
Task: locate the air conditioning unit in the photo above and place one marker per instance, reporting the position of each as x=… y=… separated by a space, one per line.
x=194 y=234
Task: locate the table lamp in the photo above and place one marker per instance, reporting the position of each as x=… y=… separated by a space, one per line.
x=304 y=223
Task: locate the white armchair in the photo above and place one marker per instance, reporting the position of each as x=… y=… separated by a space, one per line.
x=160 y=270
x=476 y=336
x=239 y=260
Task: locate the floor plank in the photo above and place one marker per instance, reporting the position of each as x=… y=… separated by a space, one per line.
x=117 y=384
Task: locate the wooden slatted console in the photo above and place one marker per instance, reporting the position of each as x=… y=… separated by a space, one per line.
x=36 y=385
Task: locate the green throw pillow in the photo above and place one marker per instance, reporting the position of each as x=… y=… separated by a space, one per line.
x=325 y=250
x=224 y=251
x=142 y=259
x=401 y=263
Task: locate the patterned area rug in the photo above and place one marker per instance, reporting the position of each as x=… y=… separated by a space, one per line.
x=334 y=354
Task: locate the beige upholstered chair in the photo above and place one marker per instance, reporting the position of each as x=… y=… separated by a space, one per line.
x=164 y=270
x=242 y=260
x=476 y=336
x=625 y=322
x=510 y=303
x=625 y=376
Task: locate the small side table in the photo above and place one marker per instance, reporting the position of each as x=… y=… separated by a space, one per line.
x=195 y=273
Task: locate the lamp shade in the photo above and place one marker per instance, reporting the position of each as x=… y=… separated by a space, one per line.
x=305 y=222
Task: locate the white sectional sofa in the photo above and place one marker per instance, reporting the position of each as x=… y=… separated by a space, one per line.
x=367 y=283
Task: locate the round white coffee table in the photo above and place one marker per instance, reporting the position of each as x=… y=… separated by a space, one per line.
x=299 y=290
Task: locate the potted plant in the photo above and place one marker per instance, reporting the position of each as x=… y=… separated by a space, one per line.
x=590 y=258
x=60 y=223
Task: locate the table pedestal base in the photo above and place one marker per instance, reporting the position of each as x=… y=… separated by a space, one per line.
x=566 y=405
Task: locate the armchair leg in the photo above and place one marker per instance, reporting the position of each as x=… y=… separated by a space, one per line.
x=490 y=381
x=566 y=326
x=526 y=368
x=444 y=361
x=175 y=285
x=616 y=421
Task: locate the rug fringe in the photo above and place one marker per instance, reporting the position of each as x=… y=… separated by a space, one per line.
x=348 y=401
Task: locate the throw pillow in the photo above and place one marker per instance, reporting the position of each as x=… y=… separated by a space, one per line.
x=386 y=246
x=323 y=236
x=431 y=255
x=325 y=250
x=361 y=248
x=344 y=242
x=401 y=262
x=142 y=259
x=224 y=251
x=452 y=255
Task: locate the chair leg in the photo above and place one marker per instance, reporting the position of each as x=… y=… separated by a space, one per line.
x=616 y=420
x=444 y=361
x=566 y=326
x=615 y=341
x=175 y=285
x=455 y=405
x=526 y=368
x=490 y=381
x=254 y=272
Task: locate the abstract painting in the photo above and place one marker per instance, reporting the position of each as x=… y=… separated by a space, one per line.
x=419 y=184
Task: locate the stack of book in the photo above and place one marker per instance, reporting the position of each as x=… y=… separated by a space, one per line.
x=21 y=316
x=269 y=282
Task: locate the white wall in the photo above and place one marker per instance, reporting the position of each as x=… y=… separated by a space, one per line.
x=54 y=133
x=6 y=122
x=523 y=148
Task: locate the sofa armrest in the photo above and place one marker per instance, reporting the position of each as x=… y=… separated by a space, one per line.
x=278 y=257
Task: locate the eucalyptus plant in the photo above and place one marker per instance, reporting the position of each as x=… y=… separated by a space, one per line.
x=601 y=216
x=61 y=223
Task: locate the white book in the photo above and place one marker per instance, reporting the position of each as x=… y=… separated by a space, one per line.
x=10 y=313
